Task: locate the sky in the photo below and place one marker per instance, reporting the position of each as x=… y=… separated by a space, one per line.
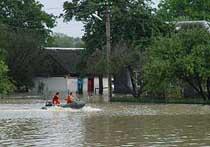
x=55 y=7
x=73 y=28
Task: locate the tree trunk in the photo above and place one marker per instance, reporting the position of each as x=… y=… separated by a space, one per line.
x=100 y=84
x=134 y=90
x=199 y=89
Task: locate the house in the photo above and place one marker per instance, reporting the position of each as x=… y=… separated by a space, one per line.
x=191 y=24
x=58 y=71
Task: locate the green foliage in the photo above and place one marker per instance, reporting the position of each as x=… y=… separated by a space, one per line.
x=184 y=10
x=133 y=23
x=25 y=14
x=96 y=63
x=6 y=85
x=62 y=40
x=25 y=30
x=181 y=57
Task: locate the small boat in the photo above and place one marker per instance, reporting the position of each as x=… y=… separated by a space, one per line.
x=73 y=105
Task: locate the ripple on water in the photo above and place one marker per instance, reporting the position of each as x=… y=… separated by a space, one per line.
x=105 y=125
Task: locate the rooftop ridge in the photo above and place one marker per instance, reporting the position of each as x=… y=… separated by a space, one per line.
x=62 y=48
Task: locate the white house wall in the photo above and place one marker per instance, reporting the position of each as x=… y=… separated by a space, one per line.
x=72 y=84
x=55 y=83
x=51 y=86
x=85 y=85
x=64 y=85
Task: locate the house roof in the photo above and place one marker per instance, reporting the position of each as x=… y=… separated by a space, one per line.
x=67 y=59
x=199 y=23
x=59 y=62
x=61 y=48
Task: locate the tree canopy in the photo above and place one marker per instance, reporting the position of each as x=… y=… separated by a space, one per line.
x=63 y=40
x=6 y=84
x=25 y=30
x=131 y=21
x=172 y=10
x=183 y=56
x=133 y=24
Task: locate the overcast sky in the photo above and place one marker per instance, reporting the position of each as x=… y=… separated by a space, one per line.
x=72 y=28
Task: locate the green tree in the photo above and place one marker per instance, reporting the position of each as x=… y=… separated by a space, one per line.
x=133 y=23
x=184 y=57
x=172 y=10
x=25 y=30
x=6 y=85
x=62 y=40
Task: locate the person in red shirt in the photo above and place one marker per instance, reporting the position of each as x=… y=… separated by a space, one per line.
x=56 y=99
x=69 y=98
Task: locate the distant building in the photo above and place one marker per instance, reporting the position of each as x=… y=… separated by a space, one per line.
x=59 y=72
x=191 y=24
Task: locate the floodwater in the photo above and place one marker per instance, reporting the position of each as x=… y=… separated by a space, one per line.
x=23 y=123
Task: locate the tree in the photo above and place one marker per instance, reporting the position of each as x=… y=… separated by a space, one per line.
x=172 y=10
x=183 y=56
x=62 y=40
x=133 y=23
x=25 y=28
x=6 y=85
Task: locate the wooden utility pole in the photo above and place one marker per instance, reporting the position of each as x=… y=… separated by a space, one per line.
x=108 y=50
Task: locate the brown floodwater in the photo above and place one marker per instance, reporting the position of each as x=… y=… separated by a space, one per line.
x=23 y=123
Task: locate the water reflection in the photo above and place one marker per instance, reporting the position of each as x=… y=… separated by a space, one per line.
x=56 y=131
x=18 y=132
x=25 y=124
x=148 y=131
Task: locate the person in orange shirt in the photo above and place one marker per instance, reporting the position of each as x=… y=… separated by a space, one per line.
x=56 y=99
x=69 y=98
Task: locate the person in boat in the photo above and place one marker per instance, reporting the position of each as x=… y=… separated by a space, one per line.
x=56 y=99
x=69 y=98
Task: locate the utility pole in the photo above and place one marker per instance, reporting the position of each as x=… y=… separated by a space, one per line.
x=108 y=49
x=107 y=5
